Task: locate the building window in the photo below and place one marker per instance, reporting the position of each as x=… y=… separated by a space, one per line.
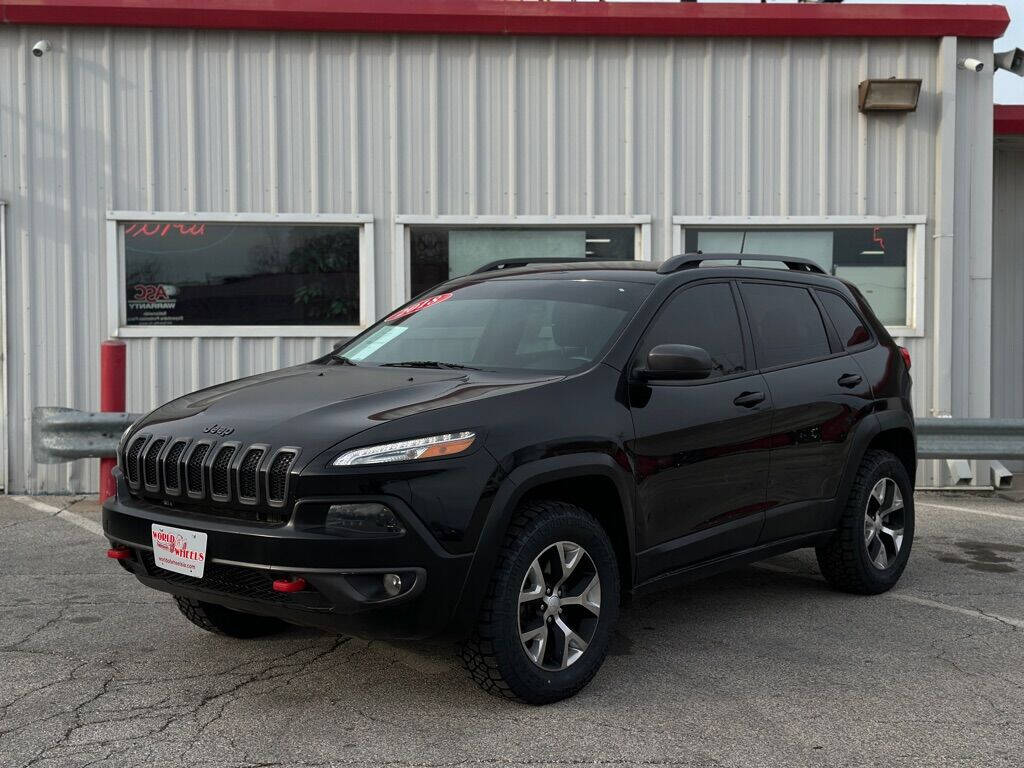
x=240 y=275
x=883 y=258
x=437 y=249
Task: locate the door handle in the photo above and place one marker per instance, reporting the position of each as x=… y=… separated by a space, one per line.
x=850 y=380
x=749 y=399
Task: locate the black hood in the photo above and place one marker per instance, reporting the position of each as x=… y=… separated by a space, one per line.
x=314 y=406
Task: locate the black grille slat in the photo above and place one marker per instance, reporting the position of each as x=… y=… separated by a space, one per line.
x=172 y=477
x=277 y=481
x=247 y=474
x=150 y=476
x=220 y=484
x=131 y=459
x=194 y=475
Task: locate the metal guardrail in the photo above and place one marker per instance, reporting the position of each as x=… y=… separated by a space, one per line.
x=970 y=438
x=64 y=434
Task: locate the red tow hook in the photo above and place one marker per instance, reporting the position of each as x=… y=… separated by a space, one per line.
x=119 y=553
x=294 y=584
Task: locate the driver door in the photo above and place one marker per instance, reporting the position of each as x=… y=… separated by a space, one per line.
x=701 y=447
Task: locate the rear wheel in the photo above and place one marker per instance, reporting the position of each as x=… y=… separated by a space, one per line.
x=868 y=553
x=224 y=621
x=552 y=604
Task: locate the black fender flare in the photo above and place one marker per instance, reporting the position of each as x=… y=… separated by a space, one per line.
x=513 y=488
x=870 y=427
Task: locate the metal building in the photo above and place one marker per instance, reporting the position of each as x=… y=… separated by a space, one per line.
x=231 y=189
x=1008 y=266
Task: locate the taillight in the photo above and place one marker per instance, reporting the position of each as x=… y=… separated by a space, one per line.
x=906 y=356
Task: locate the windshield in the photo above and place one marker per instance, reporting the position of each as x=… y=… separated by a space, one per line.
x=503 y=325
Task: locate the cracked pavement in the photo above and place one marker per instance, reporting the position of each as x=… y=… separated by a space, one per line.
x=760 y=666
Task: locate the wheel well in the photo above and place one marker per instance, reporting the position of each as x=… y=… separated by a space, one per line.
x=598 y=495
x=899 y=442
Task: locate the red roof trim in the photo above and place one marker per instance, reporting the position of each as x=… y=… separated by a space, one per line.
x=1009 y=120
x=506 y=17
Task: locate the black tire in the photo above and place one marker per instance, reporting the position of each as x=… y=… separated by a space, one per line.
x=224 y=621
x=845 y=561
x=495 y=654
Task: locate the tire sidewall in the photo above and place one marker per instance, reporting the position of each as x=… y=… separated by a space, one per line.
x=549 y=531
x=887 y=468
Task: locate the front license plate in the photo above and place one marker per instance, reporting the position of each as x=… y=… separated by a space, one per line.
x=178 y=550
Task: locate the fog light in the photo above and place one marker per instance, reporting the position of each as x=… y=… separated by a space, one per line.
x=363 y=519
x=392 y=584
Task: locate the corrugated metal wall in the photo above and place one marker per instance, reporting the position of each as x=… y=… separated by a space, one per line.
x=386 y=125
x=1008 y=282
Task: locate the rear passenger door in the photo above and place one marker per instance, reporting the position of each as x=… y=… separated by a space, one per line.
x=819 y=393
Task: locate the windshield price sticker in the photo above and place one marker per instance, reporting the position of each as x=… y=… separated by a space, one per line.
x=412 y=309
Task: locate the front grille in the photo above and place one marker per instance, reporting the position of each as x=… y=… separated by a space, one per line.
x=247 y=475
x=194 y=475
x=220 y=482
x=150 y=476
x=226 y=479
x=249 y=583
x=131 y=461
x=172 y=473
x=277 y=482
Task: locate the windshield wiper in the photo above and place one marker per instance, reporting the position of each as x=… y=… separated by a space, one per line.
x=341 y=359
x=429 y=364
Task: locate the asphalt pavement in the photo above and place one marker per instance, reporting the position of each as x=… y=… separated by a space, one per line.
x=758 y=667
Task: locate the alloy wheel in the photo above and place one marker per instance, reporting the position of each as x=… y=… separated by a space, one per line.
x=559 y=605
x=883 y=523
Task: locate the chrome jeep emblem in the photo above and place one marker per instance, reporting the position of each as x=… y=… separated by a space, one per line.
x=216 y=429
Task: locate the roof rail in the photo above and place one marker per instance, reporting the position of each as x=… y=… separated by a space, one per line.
x=523 y=262
x=692 y=260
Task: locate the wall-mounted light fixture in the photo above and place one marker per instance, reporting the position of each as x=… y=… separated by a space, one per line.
x=1011 y=61
x=892 y=95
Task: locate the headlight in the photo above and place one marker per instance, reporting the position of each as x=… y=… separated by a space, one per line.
x=408 y=450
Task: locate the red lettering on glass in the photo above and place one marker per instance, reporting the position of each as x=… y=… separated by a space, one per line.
x=163 y=229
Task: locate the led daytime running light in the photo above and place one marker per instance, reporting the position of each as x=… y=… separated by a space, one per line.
x=432 y=447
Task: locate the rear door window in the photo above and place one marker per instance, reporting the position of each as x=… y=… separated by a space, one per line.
x=702 y=316
x=785 y=324
x=853 y=331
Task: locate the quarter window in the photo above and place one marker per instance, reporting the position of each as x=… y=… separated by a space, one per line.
x=785 y=324
x=851 y=329
x=702 y=316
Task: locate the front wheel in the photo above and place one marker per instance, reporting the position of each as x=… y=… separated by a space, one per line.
x=870 y=549
x=224 y=621
x=552 y=604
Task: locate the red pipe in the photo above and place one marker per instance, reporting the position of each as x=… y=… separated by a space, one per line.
x=112 y=388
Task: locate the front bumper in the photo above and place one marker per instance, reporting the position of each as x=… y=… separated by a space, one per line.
x=344 y=575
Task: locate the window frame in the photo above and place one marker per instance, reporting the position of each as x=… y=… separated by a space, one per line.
x=401 y=280
x=916 y=247
x=117 y=302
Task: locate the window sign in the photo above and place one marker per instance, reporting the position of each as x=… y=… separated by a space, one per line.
x=237 y=274
x=872 y=258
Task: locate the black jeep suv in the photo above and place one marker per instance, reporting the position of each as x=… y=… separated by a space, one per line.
x=506 y=457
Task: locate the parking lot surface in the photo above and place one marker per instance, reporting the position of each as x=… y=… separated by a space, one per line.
x=761 y=666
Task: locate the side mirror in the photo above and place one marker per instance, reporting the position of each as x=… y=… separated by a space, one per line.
x=676 y=362
x=338 y=345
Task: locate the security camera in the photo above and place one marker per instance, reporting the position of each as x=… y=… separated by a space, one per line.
x=971 y=65
x=43 y=46
x=1011 y=61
